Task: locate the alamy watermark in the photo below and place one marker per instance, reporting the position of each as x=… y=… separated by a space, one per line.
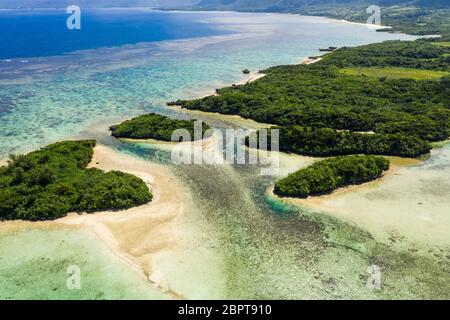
x=73 y=22
x=216 y=147
x=374 y=278
x=375 y=15
x=73 y=281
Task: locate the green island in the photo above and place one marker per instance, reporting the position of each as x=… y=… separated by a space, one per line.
x=422 y=17
x=326 y=142
x=320 y=95
x=387 y=98
x=53 y=181
x=154 y=126
x=395 y=73
x=327 y=175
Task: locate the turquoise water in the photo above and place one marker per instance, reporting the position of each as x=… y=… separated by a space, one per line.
x=268 y=249
x=48 y=99
x=41 y=33
x=273 y=250
x=34 y=265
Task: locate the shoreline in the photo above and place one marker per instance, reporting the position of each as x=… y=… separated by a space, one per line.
x=410 y=191
x=367 y=25
x=166 y=242
x=319 y=202
x=235 y=119
x=136 y=236
x=248 y=123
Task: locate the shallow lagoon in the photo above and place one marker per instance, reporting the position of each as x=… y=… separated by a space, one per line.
x=263 y=248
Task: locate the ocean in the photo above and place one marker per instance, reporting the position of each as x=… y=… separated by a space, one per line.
x=157 y=57
x=41 y=33
x=57 y=84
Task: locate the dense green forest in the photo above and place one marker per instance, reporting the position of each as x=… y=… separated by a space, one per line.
x=405 y=114
x=424 y=54
x=409 y=16
x=154 y=126
x=325 y=142
x=328 y=175
x=297 y=5
x=414 y=17
x=49 y=183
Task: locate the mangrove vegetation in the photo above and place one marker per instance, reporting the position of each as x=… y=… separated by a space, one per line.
x=48 y=183
x=154 y=126
x=328 y=175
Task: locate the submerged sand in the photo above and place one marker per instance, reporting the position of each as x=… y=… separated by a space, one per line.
x=162 y=240
x=409 y=205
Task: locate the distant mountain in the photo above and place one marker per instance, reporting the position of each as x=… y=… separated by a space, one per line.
x=239 y=5
x=292 y=5
x=14 y=4
x=272 y=5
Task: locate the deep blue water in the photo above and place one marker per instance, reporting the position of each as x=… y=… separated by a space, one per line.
x=44 y=33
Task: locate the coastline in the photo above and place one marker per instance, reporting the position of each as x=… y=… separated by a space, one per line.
x=150 y=239
x=138 y=235
x=369 y=26
x=236 y=119
x=253 y=76
x=320 y=202
x=381 y=207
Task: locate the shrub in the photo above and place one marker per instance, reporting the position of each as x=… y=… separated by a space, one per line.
x=326 y=176
x=49 y=183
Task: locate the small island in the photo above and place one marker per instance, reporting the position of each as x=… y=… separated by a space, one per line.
x=51 y=182
x=353 y=101
x=327 y=142
x=154 y=126
x=325 y=176
x=329 y=49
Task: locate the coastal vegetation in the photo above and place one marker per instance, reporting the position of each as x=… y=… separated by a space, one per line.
x=389 y=98
x=422 y=17
x=394 y=73
x=48 y=183
x=442 y=44
x=154 y=126
x=326 y=142
x=420 y=54
x=328 y=175
x=322 y=108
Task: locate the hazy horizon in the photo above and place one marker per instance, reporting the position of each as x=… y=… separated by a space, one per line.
x=25 y=4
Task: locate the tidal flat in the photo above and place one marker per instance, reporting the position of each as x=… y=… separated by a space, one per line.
x=229 y=240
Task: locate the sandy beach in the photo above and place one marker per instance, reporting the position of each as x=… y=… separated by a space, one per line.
x=158 y=240
x=138 y=233
x=236 y=120
x=367 y=25
x=253 y=76
x=148 y=238
x=321 y=202
x=383 y=206
x=310 y=61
